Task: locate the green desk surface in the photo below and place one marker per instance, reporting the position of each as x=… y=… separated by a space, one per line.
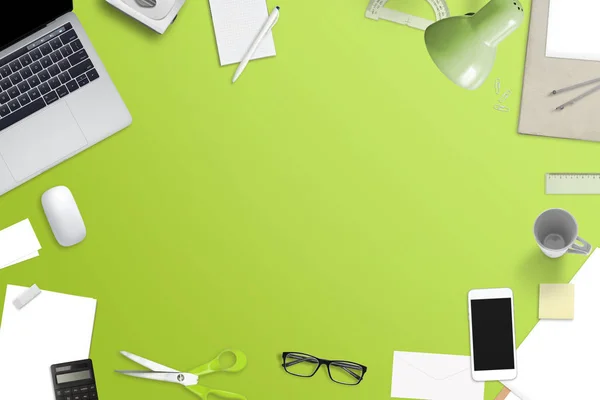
x=340 y=199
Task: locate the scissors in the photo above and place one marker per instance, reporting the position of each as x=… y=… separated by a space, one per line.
x=189 y=379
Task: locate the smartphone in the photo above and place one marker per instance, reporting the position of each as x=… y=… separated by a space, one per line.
x=492 y=328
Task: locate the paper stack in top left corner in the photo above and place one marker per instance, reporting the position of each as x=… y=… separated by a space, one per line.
x=18 y=243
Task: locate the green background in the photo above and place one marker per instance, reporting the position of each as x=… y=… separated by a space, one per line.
x=340 y=199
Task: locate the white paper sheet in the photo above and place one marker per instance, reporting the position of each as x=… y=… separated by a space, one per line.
x=558 y=360
x=18 y=243
x=573 y=30
x=51 y=329
x=434 y=376
x=237 y=23
x=512 y=396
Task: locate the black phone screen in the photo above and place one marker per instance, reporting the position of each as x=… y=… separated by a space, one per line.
x=492 y=324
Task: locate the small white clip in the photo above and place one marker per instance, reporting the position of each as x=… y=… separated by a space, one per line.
x=500 y=107
x=497 y=85
x=505 y=96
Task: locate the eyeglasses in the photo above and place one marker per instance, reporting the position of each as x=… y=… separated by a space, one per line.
x=305 y=365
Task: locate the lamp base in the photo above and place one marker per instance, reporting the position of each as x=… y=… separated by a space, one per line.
x=157 y=18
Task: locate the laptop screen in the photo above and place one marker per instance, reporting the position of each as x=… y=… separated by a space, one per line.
x=27 y=16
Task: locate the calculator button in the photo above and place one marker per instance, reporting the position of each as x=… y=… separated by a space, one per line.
x=93 y=395
x=68 y=397
x=84 y=389
x=77 y=397
x=67 y=391
x=60 y=392
x=76 y=390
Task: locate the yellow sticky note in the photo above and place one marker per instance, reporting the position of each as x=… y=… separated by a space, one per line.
x=557 y=301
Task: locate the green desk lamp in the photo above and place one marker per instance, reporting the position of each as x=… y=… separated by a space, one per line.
x=464 y=47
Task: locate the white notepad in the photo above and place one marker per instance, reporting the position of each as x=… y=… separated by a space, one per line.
x=559 y=358
x=18 y=243
x=237 y=23
x=51 y=329
x=573 y=29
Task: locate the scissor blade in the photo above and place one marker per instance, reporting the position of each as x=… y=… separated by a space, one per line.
x=151 y=365
x=182 y=378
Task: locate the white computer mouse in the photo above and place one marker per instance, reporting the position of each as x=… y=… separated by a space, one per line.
x=64 y=216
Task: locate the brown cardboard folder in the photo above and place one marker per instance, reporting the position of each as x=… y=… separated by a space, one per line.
x=542 y=75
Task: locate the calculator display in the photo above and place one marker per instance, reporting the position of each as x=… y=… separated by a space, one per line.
x=73 y=376
x=74 y=380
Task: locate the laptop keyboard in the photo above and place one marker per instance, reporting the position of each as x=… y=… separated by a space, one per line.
x=42 y=72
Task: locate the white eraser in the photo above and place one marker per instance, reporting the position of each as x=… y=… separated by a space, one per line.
x=26 y=297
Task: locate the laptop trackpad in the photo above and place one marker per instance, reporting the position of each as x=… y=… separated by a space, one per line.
x=40 y=141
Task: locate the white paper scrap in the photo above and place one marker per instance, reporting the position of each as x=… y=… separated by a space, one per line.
x=18 y=243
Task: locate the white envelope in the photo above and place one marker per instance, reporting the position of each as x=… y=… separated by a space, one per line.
x=434 y=377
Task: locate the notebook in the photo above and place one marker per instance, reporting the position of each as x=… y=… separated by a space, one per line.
x=542 y=75
x=573 y=29
x=558 y=360
x=236 y=24
x=52 y=328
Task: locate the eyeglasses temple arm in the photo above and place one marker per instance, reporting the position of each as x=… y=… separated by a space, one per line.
x=300 y=359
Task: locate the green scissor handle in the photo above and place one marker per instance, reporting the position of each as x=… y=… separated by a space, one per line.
x=215 y=366
x=203 y=392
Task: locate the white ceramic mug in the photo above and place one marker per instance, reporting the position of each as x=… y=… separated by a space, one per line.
x=555 y=231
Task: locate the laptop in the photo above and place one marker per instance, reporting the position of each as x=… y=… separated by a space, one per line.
x=56 y=98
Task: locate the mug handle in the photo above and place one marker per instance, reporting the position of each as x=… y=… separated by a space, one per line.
x=576 y=249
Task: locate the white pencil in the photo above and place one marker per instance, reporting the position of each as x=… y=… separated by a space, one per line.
x=271 y=21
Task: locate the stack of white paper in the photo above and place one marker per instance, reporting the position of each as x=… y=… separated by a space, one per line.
x=18 y=243
x=237 y=23
x=52 y=328
x=573 y=29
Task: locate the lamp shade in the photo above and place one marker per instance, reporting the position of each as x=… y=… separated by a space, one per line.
x=464 y=47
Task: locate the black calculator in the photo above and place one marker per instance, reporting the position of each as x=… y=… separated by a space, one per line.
x=74 y=380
